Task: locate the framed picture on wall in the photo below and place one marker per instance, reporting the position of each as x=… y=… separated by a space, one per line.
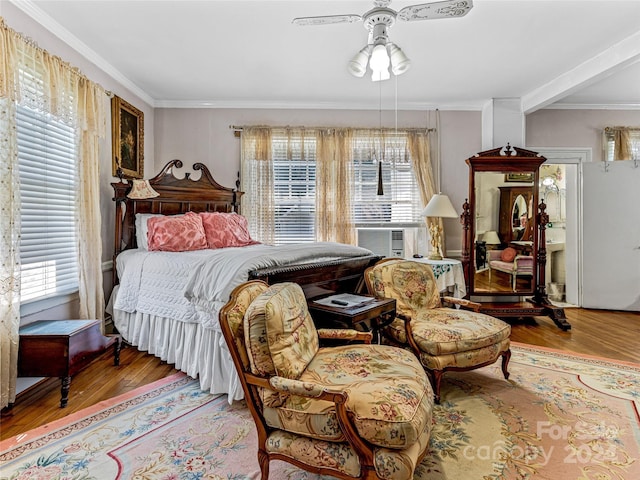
x=518 y=177
x=127 y=137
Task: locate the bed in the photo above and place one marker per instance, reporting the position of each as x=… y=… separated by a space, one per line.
x=167 y=302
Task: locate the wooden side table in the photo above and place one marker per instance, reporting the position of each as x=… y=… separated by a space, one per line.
x=61 y=348
x=370 y=316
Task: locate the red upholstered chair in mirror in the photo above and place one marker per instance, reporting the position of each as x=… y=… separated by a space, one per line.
x=508 y=261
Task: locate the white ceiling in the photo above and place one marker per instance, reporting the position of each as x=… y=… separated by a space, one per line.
x=249 y=54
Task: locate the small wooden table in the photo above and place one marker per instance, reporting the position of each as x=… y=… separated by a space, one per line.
x=370 y=316
x=61 y=348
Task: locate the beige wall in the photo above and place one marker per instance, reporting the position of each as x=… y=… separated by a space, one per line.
x=575 y=128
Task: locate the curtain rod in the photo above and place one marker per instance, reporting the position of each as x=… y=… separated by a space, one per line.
x=237 y=129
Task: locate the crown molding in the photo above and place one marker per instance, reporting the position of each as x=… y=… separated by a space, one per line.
x=29 y=8
x=593 y=106
x=258 y=104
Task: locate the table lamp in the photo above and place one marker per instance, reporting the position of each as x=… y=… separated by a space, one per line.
x=438 y=207
x=491 y=238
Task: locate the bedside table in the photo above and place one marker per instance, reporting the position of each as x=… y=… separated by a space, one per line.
x=61 y=348
x=370 y=316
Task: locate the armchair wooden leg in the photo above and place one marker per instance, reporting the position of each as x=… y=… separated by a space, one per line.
x=506 y=356
x=436 y=378
x=263 y=460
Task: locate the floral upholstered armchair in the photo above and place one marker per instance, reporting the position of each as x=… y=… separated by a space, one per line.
x=351 y=411
x=442 y=338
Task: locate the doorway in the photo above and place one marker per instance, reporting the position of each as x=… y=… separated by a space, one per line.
x=563 y=195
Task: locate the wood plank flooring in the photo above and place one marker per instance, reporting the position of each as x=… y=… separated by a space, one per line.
x=601 y=333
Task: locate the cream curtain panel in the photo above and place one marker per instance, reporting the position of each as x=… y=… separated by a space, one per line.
x=623 y=141
x=78 y=102
x=257 y=182
x=334 y=222
x=420 y=149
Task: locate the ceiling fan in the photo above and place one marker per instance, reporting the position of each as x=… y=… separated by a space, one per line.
x=379 y=51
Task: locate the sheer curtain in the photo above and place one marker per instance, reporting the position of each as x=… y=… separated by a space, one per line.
x=334 y=178
x=257 y=182
x=420 y=149
x=65 y=93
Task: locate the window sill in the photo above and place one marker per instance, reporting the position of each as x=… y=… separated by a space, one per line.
x=35 y=306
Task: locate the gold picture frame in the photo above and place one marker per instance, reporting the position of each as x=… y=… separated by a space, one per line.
x=518 y=177
x=127 y=137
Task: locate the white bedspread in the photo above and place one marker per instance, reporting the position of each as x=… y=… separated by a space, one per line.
x=194 y=286
x=167 y=303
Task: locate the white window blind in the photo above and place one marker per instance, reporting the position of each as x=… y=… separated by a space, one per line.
x=294 y=168
x=400 y=203
x=46 y=157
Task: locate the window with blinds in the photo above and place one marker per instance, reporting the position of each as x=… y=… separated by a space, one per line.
x=294 y=164
x=400 y=203
x=294 y=180
x=46 y=158
x=610 y=144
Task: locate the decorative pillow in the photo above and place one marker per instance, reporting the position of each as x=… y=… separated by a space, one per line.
x=176 y=233
x=226 y=230
x=142 y=228
x=508 y=254
x=290 y=333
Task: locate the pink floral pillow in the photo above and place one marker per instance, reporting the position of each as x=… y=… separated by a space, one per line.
x=508 y=254
x=226 y=230
x=176 y=233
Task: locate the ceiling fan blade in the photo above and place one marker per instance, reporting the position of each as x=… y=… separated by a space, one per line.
x=427 y=11
x=326 y=20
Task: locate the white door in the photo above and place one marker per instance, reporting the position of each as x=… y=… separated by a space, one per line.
x=611 y=236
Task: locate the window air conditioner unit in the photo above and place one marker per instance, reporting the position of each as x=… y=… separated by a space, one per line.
x=382 y=241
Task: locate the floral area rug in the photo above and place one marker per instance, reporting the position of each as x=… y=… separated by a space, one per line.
x=558 y=417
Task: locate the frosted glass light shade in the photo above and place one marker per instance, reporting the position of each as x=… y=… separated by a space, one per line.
x=399 y=61
x=358 y=64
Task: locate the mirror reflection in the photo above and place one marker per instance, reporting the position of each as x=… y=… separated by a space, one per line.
x=504 y=233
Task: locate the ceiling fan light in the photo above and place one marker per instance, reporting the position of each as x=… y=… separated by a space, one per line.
x=358 y=64
x=380 y=75
x=379 y=59
x=399 y=61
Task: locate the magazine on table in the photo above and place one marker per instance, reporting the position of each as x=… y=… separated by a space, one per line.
x=344 y=300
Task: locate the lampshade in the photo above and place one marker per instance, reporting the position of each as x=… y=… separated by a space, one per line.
x=141 y=189
x=439 y=206
x=491 y=238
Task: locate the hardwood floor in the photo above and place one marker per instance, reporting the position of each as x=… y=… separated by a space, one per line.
x=601 y=333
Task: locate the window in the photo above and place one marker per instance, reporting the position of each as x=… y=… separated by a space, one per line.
x=47 y=164
x=400 y=204
x=294 y=172
x=294 y=166
x=611 y=147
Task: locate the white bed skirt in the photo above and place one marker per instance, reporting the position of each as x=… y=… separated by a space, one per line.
x=199 y=352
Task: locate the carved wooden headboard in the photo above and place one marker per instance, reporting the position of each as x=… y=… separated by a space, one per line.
x=177 y=195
